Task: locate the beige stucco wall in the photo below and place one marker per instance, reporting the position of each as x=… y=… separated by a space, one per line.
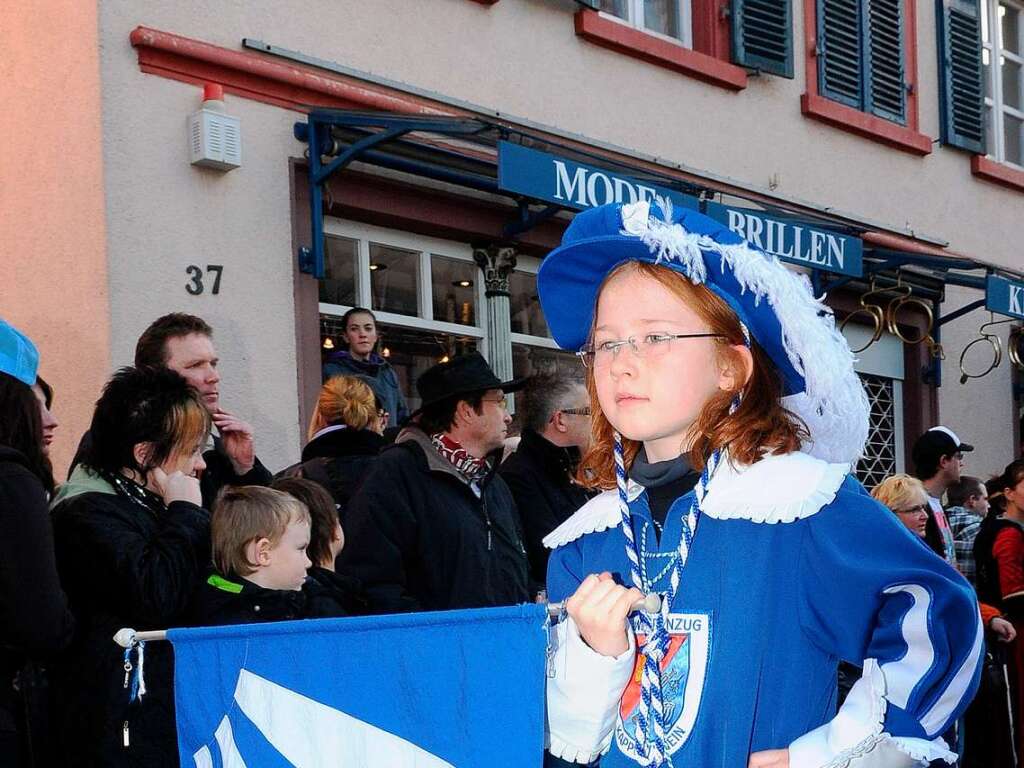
x=164 y=215
x=981 y=410
x=520 y=57
x=53 y=278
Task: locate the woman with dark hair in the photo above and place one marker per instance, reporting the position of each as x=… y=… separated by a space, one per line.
x=34 y=616
x=44 y=394
x=361 y=359
x=133 y=544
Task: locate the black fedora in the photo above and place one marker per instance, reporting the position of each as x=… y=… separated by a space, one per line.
x=462 y=375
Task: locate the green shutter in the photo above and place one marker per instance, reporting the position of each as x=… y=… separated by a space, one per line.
x=762 y=35
x=840 y=66
x=886 y=91
x=961 y=91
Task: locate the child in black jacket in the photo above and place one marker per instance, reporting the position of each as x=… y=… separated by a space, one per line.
x=260 y=537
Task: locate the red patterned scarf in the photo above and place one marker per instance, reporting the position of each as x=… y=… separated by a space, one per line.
x=473 y=468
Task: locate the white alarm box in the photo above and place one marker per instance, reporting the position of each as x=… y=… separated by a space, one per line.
x=215 y=140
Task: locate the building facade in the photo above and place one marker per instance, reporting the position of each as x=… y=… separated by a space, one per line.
x=886 y=130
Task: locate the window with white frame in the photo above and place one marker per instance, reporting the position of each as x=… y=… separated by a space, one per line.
x=428 y=297
x=667 y=18
x=1002 y=32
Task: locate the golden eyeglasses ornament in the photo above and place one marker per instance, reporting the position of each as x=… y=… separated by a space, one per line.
x=1015 y=347
x=873 y=311
x=994 y=343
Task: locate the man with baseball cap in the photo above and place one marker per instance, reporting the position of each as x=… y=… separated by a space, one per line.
x=433 y=526
x=938 y=459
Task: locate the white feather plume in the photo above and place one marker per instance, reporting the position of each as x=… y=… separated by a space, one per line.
x=833 y=405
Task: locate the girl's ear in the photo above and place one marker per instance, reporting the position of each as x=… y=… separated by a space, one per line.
x=736 y=368
x=142 y=452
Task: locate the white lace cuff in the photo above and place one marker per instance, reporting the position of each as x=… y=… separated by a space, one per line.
x=855 y=738
x=583 y=695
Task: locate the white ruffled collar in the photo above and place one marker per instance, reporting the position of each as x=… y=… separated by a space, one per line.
x=776 y=489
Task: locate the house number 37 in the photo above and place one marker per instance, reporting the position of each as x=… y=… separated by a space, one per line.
x=196 y=286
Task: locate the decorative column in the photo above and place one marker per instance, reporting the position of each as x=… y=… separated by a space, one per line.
x=496 y=262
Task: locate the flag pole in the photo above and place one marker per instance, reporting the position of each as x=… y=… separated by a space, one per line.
x=651 y=603
x=128 y=637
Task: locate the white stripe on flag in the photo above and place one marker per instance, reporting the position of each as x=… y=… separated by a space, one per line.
x=203 y=758
x=313 y=735
x=229 y=755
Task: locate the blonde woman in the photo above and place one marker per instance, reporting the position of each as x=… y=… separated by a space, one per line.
x=344 y=438
x=907 y=498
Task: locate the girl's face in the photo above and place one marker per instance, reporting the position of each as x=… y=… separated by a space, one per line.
x=361 y=334
x=188 y=460
x=49 y=422
x=1015 y=496
x=654 y=397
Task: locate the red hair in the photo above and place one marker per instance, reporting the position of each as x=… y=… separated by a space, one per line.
x=761 y=423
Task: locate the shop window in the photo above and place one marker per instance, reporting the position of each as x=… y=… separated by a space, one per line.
x=340 y=258
x=410 y=351
x=669 y=18
x=453 y=285
x=1002 y=23
x=526 y=315
x=394 y=279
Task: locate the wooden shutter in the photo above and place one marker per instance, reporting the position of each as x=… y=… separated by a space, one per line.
x=840 y=63
x=886 y=87
x=961 y=91
x=762 y=35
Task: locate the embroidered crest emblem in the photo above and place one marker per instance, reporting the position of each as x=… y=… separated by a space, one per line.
x=682 y=683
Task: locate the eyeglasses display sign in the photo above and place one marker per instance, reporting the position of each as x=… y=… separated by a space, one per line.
x=1005 y=297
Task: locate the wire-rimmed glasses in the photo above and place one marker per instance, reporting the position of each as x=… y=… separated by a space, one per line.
x=651 y=345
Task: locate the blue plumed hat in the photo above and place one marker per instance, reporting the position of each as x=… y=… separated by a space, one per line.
x=776 y=305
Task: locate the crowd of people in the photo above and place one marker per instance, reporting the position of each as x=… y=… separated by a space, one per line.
x=169 y=518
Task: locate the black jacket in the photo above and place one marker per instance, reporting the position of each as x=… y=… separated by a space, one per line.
x=124 y=562
x=34 y=617
x=234 y=600
x=339 y=461
x=419 y=538
x=987 y=569
x=539 y=474
x=218 y=473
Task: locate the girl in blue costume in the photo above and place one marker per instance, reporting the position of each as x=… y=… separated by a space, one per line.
x=727 y=420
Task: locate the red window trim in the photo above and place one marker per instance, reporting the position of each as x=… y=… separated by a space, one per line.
x=991 y=170
x=707 y=61
x=817 y=107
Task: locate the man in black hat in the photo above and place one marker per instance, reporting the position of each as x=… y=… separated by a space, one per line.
x=433 y=527
x=938 y=457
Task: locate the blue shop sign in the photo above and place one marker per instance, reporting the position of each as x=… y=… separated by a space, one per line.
x=1005 y=297
x=544 y=176
x=794 y=241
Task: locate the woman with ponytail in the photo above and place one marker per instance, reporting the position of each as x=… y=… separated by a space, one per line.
x=727 y=422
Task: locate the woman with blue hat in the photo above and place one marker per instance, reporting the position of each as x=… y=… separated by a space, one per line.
x=727 y=422
x=35 y=622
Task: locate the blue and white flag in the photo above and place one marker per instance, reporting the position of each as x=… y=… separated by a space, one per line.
x=452 y=688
